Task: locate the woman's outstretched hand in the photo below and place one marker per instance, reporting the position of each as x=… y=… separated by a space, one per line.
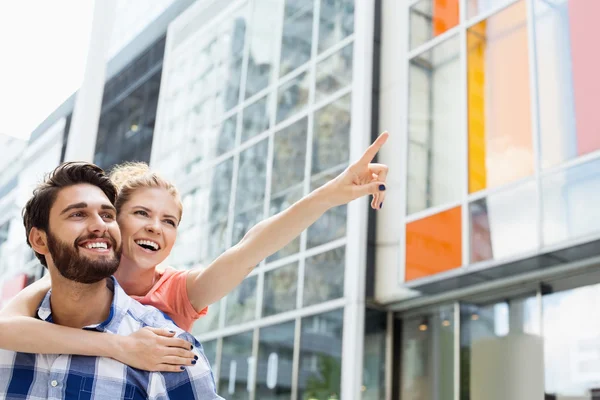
x=155 y=350
x=359 y=179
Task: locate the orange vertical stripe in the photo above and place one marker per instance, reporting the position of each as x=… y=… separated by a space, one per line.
x=434 y=244
x=445 y=15
x=476 y=46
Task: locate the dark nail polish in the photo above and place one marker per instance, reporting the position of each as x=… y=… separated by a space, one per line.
x=195 y=357
x=172 y=331
x=182 y=368
x=381 y=187
x=193 y=362
x=192 y=347
x=381 y=205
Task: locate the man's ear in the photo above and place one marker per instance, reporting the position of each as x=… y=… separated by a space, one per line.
x=38 y=241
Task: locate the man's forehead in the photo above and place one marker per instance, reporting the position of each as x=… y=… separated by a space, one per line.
x=92 y=195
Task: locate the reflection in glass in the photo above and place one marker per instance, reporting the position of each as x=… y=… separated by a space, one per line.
x=289 y=156
x=570 y=199
x=210 y=351
x=241 y=302
x=504 y=224
x=324 y=277
x=275 y=362
x=374 y=361
x=331 y=143
x=218 y=240
x=292 y=96
x=332 y=224
x=221 y=190
x=499 y=115
x=428 y=356
x=297 y=35
x=334 y=73
x=280 y=290
x=256 y=119
x=243 y=222
x=233 y=66
x=434 y=244
x=435 y=138
x=262 y=45
x=321 y=356
x=482 y=326
x=431 y=18
x=336 y=22
x=278 y=204
x=226 y=140
x=567 y=73
x=252 y=176
x=477 y=7
x=209 y=322
x=236 y=367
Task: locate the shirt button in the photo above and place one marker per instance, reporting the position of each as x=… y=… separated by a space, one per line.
x=54 y=383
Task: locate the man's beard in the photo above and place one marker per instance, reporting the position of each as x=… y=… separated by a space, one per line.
x=80 y=268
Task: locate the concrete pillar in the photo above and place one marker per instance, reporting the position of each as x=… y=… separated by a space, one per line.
x=84 y=124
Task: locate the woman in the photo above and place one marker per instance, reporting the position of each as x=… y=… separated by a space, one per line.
x=148 y=212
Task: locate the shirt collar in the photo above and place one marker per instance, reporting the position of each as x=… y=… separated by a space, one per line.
x=118 y=308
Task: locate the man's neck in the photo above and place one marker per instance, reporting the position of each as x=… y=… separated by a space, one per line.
x=134 y=280
x=78 y=305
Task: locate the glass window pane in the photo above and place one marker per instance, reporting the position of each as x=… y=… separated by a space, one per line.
x=275 y=362
x=278 y=204
x=220 y=192
x=499 y=117
x=489 y=330
x=431 y=18
x=292 y=97
x=321 y=356
x=336 y=22
x=499 y=229
x=374 y=361
x=289 y=156
x=477 y=7
x=324 y=277
x=567 y=78
x=218 y=240
x=280 y=290
x=334 y=73
x=210 y=351
x=244 y=221
x=332 y=224
x=226 y=140
x=428 y=356
x=435 y=142
x=331 y=142
x=265 y=16
x=434 y=244
x=570 y=198
x=235 y=371
x=252 y=177
x=297 y=35
x=256 y=118
x=241 y=302
x=209 y=322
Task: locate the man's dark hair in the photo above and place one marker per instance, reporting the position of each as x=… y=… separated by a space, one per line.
x=36 y=213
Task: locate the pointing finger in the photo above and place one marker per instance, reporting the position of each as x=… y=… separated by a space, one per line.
x=372 y=150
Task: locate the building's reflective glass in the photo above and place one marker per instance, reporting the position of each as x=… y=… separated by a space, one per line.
x=292 y=96
x=569 y=203
x=275 y=362
x=477 y=7
x=435 y=138
x=334 y=73
x=500 y=229
x=331 y=138
x=324 y=277
x=332 y=224
x=237 y=367
x=210 y=351
x=336 y=22
x=280 y=289
x=226 y=140
x=241 y=302
x=256 y=118
x=283 y=201
x=252 y=176
x=431 y=18
x=321 y=356
x=289 y=157
x=296 y=41
x=209 y=322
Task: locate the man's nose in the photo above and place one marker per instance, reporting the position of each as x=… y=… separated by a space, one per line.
x=98 y=225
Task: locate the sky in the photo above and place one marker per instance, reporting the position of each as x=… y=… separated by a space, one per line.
x=43 y=46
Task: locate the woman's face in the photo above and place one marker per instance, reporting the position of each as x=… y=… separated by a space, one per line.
x=148 y=223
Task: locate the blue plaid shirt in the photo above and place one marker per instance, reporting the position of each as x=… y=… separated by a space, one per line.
x=54 y=377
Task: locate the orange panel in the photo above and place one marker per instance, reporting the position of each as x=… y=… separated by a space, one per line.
x=445 y=15
x=434 y=244
x=500 y=139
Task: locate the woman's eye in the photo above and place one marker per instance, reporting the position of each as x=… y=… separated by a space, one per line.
x=141 y=212
x=171 y=222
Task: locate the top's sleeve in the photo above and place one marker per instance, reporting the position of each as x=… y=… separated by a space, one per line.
x=175 y=292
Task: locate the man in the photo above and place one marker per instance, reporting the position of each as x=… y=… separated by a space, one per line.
x=71 y=225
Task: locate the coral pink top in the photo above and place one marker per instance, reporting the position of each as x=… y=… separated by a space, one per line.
x=170 y=295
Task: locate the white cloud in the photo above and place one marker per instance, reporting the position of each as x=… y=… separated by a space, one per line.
x=43 y=46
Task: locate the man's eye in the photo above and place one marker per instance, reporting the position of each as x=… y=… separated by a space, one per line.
x=77 y=215
x=109 y=216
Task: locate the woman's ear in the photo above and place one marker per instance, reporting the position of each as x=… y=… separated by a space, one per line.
x=38 y=241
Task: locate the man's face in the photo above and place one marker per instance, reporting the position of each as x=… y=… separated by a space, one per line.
x=83 y=237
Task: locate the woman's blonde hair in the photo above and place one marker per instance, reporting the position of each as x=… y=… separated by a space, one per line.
x=131 y=176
